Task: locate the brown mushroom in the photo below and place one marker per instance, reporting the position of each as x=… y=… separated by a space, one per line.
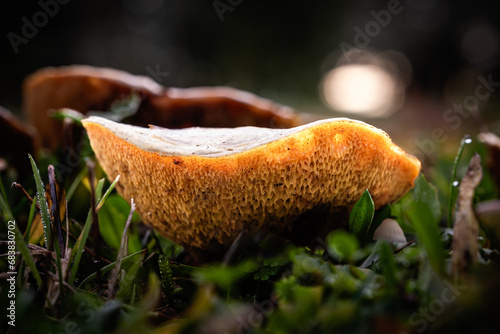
x=86 y=88
x=200 y=187
x=390 y=231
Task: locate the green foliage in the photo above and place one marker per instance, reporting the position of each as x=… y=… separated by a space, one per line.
x=20 y=242
x=361 y=217
x=77 y=252
x=112 y=218
x=419 y=211
x=388 y=266
x=224 y=277
x=270 y=267
x=352 y=285
x=50 y=241
x=166 y=275
x=108 y=267
x=342 y=245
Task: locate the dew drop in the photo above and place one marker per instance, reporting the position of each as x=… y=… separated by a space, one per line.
x=455 y=183
x=468 y=140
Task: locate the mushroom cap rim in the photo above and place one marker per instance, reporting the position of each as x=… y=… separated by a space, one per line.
x=206 y=142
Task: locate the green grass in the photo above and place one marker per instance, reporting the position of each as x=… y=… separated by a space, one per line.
x=105 y=280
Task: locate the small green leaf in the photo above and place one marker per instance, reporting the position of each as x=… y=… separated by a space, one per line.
x=121 y=109
x=265 y=272
x=361 y=216
x=67 y=113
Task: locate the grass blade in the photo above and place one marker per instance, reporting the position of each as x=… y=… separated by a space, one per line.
x=106 y=194
x=77 y=251
x=23 y=249
x=3 y=193
x=121 y=252
x=98 y=190
x=4 y=205
x=31 y=218
x=79 y=246
x=58 y=240
x=109 y=267
x=42 y=202
x=454 y=182
x=20 y=243
x=74 y=185
x=127 y=286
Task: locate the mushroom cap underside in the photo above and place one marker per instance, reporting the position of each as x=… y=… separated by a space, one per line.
x=203 y=202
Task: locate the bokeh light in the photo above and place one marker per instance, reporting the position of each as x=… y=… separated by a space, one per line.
x=480 y=45
x=370 y=85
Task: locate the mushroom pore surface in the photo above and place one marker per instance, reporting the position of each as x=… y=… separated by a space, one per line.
x=200 y=187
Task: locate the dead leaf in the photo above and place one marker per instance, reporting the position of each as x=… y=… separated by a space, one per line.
x=466 y=230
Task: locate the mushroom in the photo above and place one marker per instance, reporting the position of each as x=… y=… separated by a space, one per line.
x=200 y=187
x=87 y=88
x=390 y=231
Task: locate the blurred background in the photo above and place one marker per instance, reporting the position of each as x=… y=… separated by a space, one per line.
x=426 y=71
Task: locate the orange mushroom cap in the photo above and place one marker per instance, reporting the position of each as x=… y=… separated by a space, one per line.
x=200 y=187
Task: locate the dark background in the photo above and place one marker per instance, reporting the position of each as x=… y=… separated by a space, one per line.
x=279 y=50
